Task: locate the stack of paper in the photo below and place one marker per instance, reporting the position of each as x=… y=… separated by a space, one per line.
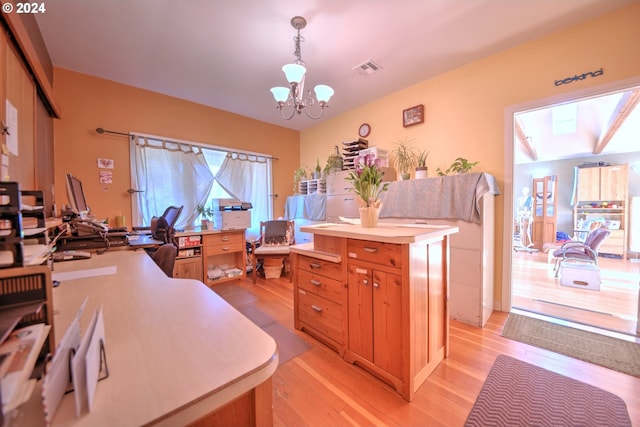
x=19 y=353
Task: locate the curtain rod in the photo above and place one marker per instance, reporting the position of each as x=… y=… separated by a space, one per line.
x=205 y=145
x=227 y=149
x=101 y=130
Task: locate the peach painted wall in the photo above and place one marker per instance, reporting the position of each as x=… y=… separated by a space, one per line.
x=465 y=108
x=89 y=102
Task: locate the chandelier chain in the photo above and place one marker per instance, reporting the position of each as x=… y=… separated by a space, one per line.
x=298 y=53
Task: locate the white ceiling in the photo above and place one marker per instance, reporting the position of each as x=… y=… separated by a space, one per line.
x=228 y=54
x=594 y=119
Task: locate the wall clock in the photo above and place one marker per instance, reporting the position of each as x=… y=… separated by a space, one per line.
x=364 y=130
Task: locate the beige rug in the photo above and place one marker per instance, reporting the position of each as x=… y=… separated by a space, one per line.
x=612 y=353
x=289 y=344
x=517 y=393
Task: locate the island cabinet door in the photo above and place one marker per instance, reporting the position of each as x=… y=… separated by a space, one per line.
x=360 y=311
x=387 y=317
x=375 y=317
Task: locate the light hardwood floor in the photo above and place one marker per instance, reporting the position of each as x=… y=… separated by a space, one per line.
x=318 y=388
x=613 y=307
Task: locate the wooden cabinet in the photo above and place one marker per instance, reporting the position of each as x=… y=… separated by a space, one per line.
x=603 y=183
x=602 y=198
x=392 y=319
x=319 y=298
x=375 y=317
x=211 y=256
x=224 y=251
x=189 y=259
x=188 y=268
x=544 y=211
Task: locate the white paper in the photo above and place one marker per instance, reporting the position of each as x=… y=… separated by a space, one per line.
x=12 y=124
x=82 y=274
x=58 y=376
x=79 y=367
x=21 y=350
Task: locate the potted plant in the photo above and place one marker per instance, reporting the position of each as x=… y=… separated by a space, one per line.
x=317 y=173
x=422 y=171
x=334 y=163
x=459 y=166
x=300 y=174
x=404 y=158
x=367 y=183
x=206 y=216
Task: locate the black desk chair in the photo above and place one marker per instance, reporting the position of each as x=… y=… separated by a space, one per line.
x=162 y=228
x=165 y=257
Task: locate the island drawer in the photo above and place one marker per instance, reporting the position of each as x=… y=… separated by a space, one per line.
x=326 y=287
x=388 y=254
x=318 y=266
x=321 y=314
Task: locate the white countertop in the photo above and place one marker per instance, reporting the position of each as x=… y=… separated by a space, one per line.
x=175 y=349
x=384 y=232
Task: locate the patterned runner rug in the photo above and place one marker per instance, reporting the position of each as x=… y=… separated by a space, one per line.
x=517 y=393
x=612 y=353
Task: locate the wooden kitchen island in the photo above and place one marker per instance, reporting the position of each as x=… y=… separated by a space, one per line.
x=377 y=296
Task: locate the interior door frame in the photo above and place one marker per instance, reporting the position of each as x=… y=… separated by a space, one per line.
x=509 y=168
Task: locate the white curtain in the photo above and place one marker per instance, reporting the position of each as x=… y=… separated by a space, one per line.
x=247 y=178
x=168 y=173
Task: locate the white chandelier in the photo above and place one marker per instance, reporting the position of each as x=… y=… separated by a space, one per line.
x=292 y=97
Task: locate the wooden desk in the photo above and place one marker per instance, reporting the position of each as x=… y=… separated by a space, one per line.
x=177 y=352
x=142 y=241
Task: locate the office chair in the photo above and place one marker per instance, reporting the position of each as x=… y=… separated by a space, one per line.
x=162 y=228
x=273 y=243
x=165 y=257
x=171 y=215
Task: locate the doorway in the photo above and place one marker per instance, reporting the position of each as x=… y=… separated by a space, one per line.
x=530 y=283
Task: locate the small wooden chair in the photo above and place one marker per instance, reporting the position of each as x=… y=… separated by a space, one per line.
x=275 y=238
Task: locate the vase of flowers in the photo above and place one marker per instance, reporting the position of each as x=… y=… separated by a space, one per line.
x=366 y=178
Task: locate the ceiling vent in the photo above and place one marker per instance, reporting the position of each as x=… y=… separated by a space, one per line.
x=367 y=68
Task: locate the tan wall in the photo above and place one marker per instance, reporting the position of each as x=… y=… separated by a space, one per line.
x=465 y=108
x=88 y=103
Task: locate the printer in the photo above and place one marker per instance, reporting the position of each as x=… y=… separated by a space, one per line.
x=231 y=214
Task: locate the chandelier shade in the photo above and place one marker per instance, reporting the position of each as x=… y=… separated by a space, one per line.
x=323 y=93
x=280 y=93
x=292 y=100
x=294 y=72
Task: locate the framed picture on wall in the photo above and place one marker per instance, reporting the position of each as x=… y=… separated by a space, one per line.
x=413 y=116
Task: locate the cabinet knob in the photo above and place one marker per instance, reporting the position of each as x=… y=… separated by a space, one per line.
x=365 y=282
x=315 y=282
x=225 y=248
x=316 y=308
x=225 y=238
x=376 y=284
x=314 y=265
x=371 y=250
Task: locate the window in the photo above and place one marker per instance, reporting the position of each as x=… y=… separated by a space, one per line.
x=176 y=173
